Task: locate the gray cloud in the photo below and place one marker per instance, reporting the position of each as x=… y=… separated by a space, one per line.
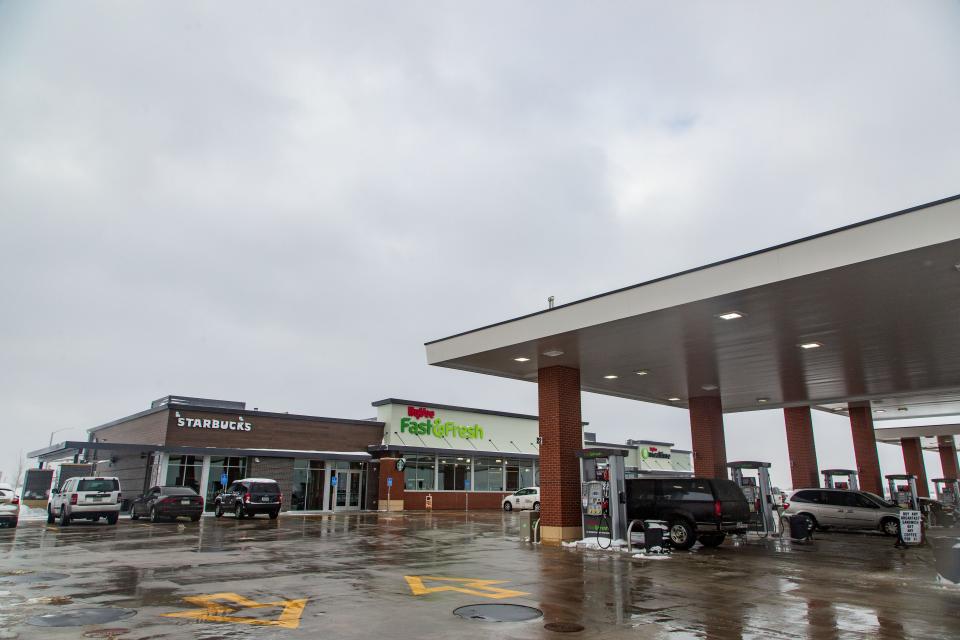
x=281 y=205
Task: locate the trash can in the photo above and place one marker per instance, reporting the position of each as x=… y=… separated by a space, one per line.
x=801 y=527
x=946 y=553
x=654 y=534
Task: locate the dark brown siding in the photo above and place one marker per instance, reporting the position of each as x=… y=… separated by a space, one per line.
x=148 y=429
x=273 y=432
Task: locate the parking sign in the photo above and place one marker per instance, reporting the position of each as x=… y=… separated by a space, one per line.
x=389 y=482
x=223 y=479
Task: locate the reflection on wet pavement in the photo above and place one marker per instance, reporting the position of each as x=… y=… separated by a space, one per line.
x=351 y=570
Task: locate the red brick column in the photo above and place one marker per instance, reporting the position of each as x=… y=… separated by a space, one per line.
x=562 y=432
x=801 y=447
x=913 y=461
x=706 y=431
x=388 y=469
x=865 y=449
x=948 y=456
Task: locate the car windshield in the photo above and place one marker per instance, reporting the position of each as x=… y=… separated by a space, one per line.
x=879 y=500
x=264 y=487
x=100 y=484
x=178 y=491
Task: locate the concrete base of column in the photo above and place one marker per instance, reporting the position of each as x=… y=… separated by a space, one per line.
x=556 y=535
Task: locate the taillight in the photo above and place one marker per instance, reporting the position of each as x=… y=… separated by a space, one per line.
x=717 y=508
x=246 y=497
x=119 y=497
x=167 y=500
x=73 y=498
x=756 y=505
x=786 y=505
x=16 y=499
x=280 y=498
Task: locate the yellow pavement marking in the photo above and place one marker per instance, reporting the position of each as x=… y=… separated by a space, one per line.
x=470 y=586
x=209 y=610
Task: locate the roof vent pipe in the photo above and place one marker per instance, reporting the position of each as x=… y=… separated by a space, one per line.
x=550 y=302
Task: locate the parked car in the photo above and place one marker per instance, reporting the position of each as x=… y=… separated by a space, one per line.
x=167 y=502
x=845 y=509
x=85 y=498
x=9 y=505
x=695 y=509
x=528 y=498
x=248 y=497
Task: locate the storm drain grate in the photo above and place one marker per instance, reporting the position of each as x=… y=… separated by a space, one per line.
x=498 y=612
x=81 y=617
x=563 y=627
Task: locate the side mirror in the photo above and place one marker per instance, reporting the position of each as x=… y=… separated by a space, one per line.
x=54 y=492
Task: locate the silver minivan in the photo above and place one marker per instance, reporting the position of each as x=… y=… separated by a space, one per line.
x=845 y=509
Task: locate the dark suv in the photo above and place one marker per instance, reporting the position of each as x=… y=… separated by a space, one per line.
x=250 y=496
x=704 y=509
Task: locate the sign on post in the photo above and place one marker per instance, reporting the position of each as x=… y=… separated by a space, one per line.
x=224 y=480
x=333 y=480
x=910 y=530
x=389 y=482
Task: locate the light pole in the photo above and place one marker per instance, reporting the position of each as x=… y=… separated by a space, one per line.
x=52 y=433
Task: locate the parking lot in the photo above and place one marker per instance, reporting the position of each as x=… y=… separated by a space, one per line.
x=367 y=575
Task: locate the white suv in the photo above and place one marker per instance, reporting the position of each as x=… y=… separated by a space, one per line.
x=85 y=498
x=528 y=498
x=9 y=505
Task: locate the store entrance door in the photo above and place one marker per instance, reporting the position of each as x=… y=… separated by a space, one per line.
x=349 y=490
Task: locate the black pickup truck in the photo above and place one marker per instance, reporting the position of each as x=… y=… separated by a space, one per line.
x=704 y=509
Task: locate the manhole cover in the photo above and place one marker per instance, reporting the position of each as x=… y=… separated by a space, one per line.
x=81 y=617
x=563 y=627
x=498 y=612
x=42 y=576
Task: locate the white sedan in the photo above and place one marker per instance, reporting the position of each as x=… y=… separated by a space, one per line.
x=528 y=498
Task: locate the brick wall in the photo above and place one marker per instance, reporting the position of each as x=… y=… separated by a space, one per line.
x=706 y=434
x=456 y=500
x=948 y=456
x=913 y=462
x=279 y=469
x=388 y=469
x=562 y=432
x=865 y=449
x=801 y=447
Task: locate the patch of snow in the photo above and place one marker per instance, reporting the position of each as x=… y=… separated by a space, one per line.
x=601 y=544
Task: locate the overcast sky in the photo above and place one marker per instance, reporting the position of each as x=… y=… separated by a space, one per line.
x=280 y=203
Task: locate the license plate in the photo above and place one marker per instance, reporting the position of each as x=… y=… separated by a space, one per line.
x=265 y=499
x=187 y=501
x=97 y=499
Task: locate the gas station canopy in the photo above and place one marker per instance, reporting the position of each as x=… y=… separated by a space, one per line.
x=927 y=434
x=867 y=312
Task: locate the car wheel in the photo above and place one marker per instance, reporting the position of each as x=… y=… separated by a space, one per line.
x=50 y=517
x=113 y=518
x=64 y=518
x=218 y=510
x=154 y=516
x=890 y=527
x=133 y=514
x=238 y=511
x=712 y=539
x=682 y=535
x=536 y=507
x=507 y=505
x=274 y=515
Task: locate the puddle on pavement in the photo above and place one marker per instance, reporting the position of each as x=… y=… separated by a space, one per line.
x=81 y=617
x=30 y=577
x=498 y=612
x=564 y=627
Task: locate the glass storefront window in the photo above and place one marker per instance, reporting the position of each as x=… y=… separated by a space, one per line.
x=418 y=474
x=235 y=468
x=184 y=471
x=301 y=478
x=488 y=474
x=453 y=473
x=519 y=474
x=536 y=474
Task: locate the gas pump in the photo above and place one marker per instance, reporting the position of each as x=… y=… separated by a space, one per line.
x=833 y=479
x=903 y=491
x=947 y=491
x=758 y=491
x=603 y=493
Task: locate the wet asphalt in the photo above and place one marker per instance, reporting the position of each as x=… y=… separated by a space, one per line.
x=370 y=575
